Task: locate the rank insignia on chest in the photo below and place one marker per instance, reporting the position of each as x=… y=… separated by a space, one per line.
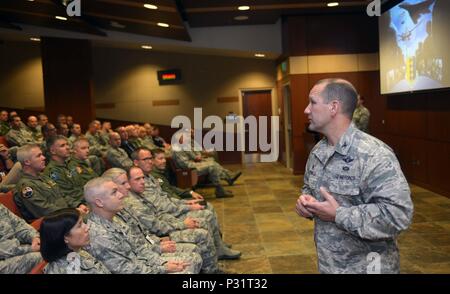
x=27 y=192
x=51 y=183
x=347 y=159
x=69 y=173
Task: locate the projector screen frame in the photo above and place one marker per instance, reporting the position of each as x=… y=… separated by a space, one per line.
x=386 y=6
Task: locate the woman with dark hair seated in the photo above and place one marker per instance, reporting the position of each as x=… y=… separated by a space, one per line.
x=63 y=235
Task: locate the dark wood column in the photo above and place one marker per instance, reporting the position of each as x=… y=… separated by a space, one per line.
x=67 y=71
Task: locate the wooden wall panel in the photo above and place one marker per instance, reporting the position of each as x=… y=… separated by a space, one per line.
x=282 y=157
x=416 y=126
x=323 y=34
x=67 y=73
x=300 y=155
x=438 y=157
x=408 y=115
x=438 y=116
x=299 y=94
x=294 y=36
x=368 y=87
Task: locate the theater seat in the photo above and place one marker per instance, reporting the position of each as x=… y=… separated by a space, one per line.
x=3 y=141
x=106 y=163
x=186 y=178
x=37 y=223
x=7 y=199
x=39 y=269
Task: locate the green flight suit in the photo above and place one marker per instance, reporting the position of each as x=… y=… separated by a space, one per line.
x=68 y=182
x=38 y=196
x=82 y=170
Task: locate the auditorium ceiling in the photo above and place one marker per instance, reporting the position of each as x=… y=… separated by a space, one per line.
x=159 y=18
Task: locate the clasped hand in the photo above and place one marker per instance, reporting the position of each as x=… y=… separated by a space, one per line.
x=307 y=206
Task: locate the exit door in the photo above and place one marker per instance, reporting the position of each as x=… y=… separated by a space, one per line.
x=257 y=104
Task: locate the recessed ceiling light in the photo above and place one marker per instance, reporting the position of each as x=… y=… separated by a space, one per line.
x=162 y=24
x=61 y=17
x=241 y=17
x=332 y=4
x=35 y=39
x=30 y=0
x=148 y=47
x=150 y=6
x=260 y=55
x=244 y=7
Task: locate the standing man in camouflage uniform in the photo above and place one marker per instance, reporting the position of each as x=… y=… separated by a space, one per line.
x=58 y=170
x=353 y=188
x=4 y=124
x=116 y=156
x=36 y=194
x=361 y=116
x=19 y=244
x=116 y=245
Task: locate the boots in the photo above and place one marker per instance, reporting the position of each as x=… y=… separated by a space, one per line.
x=232 y=178
x=222 y=193
x=227 y=253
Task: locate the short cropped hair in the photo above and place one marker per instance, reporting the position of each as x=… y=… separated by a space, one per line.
x=23 y=153
x=52 y=140
x=135 y=153
x=132 y=168
x=341 y=90
x=113 y=173
x=94 y=188
x=54 y=228
x=79 y=140
x=157 y=151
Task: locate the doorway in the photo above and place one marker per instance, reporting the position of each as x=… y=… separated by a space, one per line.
x=256 y=103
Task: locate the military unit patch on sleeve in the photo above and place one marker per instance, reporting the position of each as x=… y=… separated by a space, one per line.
x=27 y=192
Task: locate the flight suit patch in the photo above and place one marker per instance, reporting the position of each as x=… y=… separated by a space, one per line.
x=27 y=192
x=54 y=176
